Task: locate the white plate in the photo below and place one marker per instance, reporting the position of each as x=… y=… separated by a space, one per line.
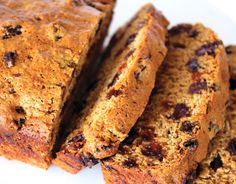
x=217 y=14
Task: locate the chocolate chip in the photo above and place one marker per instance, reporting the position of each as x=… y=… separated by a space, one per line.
x=129 y=54
x=9 y=59
x=11 y=31
x=114 y=93
x=197 y=87
x=130 y=163
x=181 y=110
x=187 y=127
x=20 y=110
x=131 y=137
x=130 y=39
x=208 y=48
x=153 y=150
x=87 y=160
x=191 y=144
x=19 y=122
x=179 y=45
x=216 y=163
x=232 y=84
x=228 y=50
x=180 y=29
x=193 y=33
x=193 y=65
x=232 y=146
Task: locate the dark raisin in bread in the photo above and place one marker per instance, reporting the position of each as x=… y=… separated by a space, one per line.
x=220 y=165
x=47 y=48
x=124 y=85
x=185 y=111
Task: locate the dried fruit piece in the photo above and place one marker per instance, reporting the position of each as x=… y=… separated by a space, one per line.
x=130 y=39
x=147 y=133
x=191 y=144
x=76 y=142
x=153 y=149
x=197 y=87
x=11 y=31
x=181 y=110
x=87 y=160
x=232 y=146
x=208 y=48
x=129 y=54
x=193 y=65
x=187 y=127
x=193 y=33
x=9 y=59
x=130 y=163
x=179 y=29
x=114 y=92
x=20 y=110
x=216 y=163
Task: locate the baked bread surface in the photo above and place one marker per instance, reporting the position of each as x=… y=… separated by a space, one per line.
x=185 y=112
x=121 y=93
x=43 y=49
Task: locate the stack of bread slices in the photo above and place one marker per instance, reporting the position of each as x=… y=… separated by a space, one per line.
x=158 y=106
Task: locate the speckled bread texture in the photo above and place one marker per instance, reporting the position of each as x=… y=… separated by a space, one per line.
x=44 y=49
x=123 y=87
x=185 y=111
x=220 y=164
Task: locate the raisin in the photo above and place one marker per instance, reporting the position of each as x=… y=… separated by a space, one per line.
x=191 y=144
x=197 y=87
x=114 y=93
x=87 y=160
x=178 y=45
x=232 y=84
x=19 y=122
x=153 y=150
x=208 y=48
x=131 y=137
x=12 y=31
x=216 y=163
x=231 y=148
x=193 y=33
x=147 y=133
x=20 y=110
x=129 y=54
x=76 y=142
x=130 y=163
x=187 y=127
x=9 y=59
x=109 y=168
x=228 y=50
x=77 y=138
x=179 y=29
x=193 y=65
x=130 y=39
x=181 y=110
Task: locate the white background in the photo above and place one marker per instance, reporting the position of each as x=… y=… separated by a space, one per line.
x=217 y=14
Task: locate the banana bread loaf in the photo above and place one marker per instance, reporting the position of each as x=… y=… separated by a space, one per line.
x=123 y=87
x=45 y=47
x=220 y=165
x=185 y=111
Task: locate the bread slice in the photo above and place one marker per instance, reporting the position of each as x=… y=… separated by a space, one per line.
x=47 y=48
x=185 y=111
x=220 y=163
x=123 y=87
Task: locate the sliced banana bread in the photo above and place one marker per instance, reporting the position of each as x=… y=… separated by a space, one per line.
x=46 y=47
x=185 y=111
x=123 y=87
x=220 y=165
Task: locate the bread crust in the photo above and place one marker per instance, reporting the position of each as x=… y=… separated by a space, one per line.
x=43 y=49
x=101 y=137
x=137 y=159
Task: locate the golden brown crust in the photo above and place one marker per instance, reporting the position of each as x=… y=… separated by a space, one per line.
x=43 y=48
x=125 y=83
x=184 y=113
